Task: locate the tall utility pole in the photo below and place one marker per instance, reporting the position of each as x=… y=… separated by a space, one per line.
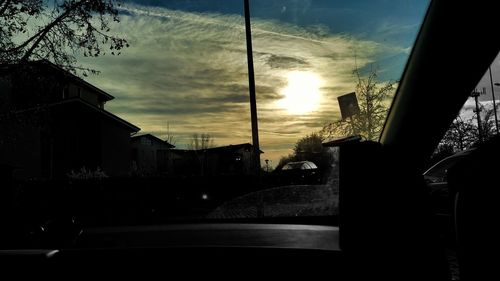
x=494 y=102
x=475 y=94
x=251 y=87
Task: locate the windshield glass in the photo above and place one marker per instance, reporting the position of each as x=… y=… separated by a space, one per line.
x=127 y=112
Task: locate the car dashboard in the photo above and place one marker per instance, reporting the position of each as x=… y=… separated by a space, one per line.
x=194 y=250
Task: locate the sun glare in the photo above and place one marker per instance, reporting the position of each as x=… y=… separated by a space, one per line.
x=302 y=93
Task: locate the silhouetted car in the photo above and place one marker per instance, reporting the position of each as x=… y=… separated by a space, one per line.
x=301 y=172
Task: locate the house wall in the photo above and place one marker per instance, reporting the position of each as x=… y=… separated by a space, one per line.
x=73 y=90
x=115 y=148
x=162 y=160
x=210 y=162
x=71 y=135
x=183 y=162
x=149 y=156
x=144 y=156
x=5 y=92
x=90 y=97
x=85 y=138
x=75 y=140
x=246 y=161
x=20 y=147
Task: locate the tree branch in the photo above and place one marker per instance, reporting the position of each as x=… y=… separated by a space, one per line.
x=46 y=30
x=4 y=7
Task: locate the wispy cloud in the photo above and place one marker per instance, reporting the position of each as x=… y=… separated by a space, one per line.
x=190 y=69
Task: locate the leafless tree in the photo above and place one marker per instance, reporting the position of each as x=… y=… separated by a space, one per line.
x=464 y=133
x=61 y=30
x=169 y=136
x=373 y=97
x=201 y=141
x=461 y=135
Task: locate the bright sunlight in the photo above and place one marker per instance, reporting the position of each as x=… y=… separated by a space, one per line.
x=302 y=94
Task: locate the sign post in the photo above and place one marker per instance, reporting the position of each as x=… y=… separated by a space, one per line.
x=349 y=107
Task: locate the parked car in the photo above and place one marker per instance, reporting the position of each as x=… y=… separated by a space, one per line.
x=301 y=172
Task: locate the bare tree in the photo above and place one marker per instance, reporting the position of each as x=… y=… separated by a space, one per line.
x=461 y=135
x=464 y=133
x=169 y=136
x=202 y=141
x=373 y=102
x=62 y=30
x=488 y=123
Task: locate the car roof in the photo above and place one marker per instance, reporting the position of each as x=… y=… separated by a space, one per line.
x=301 y=164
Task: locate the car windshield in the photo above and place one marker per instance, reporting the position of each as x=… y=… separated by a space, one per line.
x=131 y=112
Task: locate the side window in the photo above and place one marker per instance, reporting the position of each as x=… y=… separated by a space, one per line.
x=477 y=121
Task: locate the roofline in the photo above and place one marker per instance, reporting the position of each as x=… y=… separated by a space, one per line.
x=154 y=137
x=231 y=145
x=131 y=126
x=218 y=147
x=70 y=75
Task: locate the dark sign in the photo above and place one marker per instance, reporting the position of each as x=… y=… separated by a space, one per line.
x=348 y=104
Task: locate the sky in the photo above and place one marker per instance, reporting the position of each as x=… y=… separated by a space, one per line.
x=186 y=65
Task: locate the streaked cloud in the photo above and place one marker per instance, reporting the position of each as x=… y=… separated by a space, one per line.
x=189 y=69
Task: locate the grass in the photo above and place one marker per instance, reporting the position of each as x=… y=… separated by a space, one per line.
x=285 y=201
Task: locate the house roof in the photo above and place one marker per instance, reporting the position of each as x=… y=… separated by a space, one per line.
x=49 y=65
x=153 y=138
x=227 y=148
x=103 y=112
x=232 y=147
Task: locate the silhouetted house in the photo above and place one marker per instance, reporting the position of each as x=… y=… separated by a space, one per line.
x=224 y=160
x=150 y=154
x=53 y=122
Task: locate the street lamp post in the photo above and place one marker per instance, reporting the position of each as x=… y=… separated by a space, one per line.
x=495 y=105
x=494 y=102
x=251 y=86
x=475 y=94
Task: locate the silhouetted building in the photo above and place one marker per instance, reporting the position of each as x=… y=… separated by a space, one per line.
x=54 y=122
x=150 y=154
x=224 y=160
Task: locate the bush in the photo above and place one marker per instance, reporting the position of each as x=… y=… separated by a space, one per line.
x=83 y=174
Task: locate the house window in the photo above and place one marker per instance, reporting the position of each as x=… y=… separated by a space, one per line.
x=145 y=141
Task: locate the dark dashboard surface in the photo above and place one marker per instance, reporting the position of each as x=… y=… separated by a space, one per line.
x=310 y=237
x=193 y=249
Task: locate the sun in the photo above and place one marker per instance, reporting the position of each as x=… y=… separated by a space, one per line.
x=302 y=93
